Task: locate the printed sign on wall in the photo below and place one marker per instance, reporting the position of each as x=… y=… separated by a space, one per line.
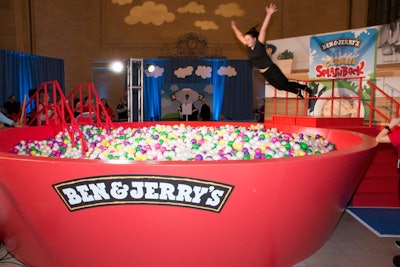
x=343 y=55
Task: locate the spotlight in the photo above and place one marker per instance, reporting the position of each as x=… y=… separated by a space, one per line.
x=116 y=66
x=151 y=68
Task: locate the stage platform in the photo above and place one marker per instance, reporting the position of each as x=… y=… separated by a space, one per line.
x=318 y=122
x=379 y=187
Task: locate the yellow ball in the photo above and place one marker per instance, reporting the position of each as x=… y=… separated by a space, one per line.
x=237 y=146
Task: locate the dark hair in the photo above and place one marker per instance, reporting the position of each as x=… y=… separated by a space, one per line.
x=105 y=100
x=253 y=32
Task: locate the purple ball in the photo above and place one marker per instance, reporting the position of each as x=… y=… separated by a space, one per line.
x=258 y=156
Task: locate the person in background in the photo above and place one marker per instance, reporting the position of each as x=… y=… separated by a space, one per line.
x=261 y=111
x=122 y=109
x=44 y=108
x=391 y=135
x=205 y=111
x=190 y=117
x=87 y=106
x=76 y=107
x=12 y=108
x=256 y=50
x=5 y=120
x=109 y=110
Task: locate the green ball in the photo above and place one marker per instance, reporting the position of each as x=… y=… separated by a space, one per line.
x=303 y=146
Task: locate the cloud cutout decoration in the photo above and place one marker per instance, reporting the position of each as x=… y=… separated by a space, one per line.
x=149 y=12
x=204 y=72
x=312 y=54
x=229 y=10
x=121 y=2
x=156 y=73
x=193 y=7
x=206 y=25
x=183 y=72
x=209 y=89
x=358 y=32
x=174 y=88
x=228 y=71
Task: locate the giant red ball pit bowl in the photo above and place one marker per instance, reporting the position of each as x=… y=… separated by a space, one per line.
x=268 y=212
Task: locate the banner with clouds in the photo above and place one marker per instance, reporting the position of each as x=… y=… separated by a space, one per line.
x=225 y=84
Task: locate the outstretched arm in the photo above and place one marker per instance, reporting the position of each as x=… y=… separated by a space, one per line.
x=271 y=9
x=237 y=32
x=382 y=136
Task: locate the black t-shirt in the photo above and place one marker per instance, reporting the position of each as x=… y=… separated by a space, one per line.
x=205 y=112
x=258 y=56
x=12 y=107
x=124 y=114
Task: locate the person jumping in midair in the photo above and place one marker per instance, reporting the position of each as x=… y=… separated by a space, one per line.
x=255 y=42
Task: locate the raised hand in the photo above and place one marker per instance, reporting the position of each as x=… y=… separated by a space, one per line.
x=394 y=122
x=271 y=9
x=233 y=24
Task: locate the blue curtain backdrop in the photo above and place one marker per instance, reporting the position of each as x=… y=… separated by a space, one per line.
x=20 y=72
x=152 y=93
x=232 y=95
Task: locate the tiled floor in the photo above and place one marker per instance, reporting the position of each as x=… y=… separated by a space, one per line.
x=7 y=260
x=351 y=245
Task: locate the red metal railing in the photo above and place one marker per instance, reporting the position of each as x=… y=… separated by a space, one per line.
x=374 y=109
x=87 y=106
x=287 y=104
x=333 y=97
x=51 y=108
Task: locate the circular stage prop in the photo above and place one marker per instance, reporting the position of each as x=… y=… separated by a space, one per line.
x=268 y=212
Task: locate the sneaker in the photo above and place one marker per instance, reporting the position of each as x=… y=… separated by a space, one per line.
x=300 y=95
x=397 y=243
x=396 y=261
x=308 y=90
